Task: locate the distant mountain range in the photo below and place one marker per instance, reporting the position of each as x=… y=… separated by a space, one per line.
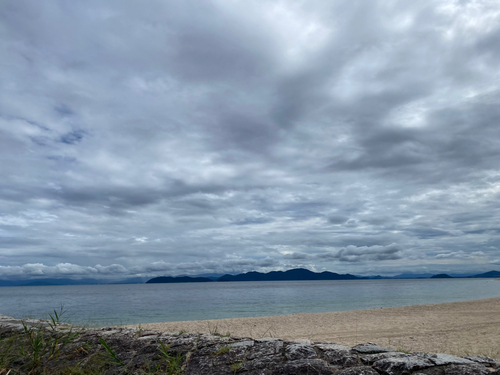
x=441 y=276
x=66 y=281
x=488 y=274
x=481 y=275
x=303 y=274
x=33 y=282
x=290 y=275
x=294 y=274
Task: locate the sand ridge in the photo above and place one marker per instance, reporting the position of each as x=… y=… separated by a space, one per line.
x=459 y=328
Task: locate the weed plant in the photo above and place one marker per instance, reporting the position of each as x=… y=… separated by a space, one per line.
x=222 y=350
x=32 y=349
x=54 y=348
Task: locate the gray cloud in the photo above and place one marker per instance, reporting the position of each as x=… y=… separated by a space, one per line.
x=337 y=219
x=353 y=254
x=227 y=137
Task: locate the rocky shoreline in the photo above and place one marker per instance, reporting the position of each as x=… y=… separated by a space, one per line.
x=136 y=351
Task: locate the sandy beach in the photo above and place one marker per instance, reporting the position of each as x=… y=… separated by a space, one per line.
x=459 y=328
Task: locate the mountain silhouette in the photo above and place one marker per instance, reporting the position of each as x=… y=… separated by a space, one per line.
x=488 y=274
x=180 y=279
x=290 y=275
x=441 y=276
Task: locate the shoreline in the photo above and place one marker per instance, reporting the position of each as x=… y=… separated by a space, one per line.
x=458 y=328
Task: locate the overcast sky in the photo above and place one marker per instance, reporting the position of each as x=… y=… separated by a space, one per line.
x=178 y=137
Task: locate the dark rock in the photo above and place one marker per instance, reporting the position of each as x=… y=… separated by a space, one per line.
x=486 y=361
x=446 y=359
x=370 y=359
x=402 y=365
x=264 y=363
x=265 y=348
x=299 y=351
x=431 y=371
x=360 y=370
x=466 y=370
x=305 y=367
x=338 y=355
x=265 y=353
x=257 y=372
x=370 y=348
x=202 y=340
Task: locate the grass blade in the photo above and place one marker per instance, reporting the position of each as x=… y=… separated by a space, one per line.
x=111 y=352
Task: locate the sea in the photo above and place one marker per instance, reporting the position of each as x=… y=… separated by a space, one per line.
x=111 y=305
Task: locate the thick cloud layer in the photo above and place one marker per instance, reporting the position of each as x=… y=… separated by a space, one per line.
x=211 y=137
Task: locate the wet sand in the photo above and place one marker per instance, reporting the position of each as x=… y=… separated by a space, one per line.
x=459 y=328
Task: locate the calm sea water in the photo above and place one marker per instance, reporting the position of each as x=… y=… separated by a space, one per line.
x=101 y=305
